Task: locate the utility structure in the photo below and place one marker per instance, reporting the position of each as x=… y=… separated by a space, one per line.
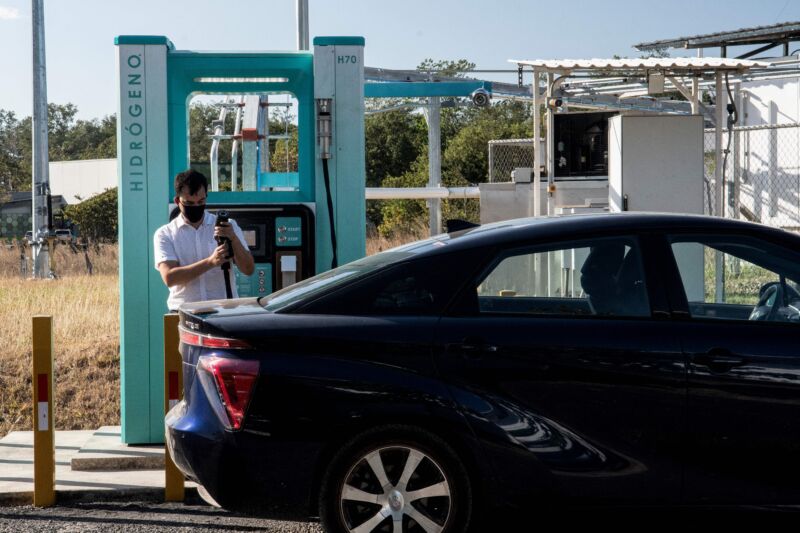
x=291 y=221
x=41 y=216
x=766 y=106
x=626 y=85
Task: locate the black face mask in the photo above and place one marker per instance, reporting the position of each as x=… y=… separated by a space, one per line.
x=193 y=213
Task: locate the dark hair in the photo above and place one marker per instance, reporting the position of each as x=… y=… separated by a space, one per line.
x=190 y=181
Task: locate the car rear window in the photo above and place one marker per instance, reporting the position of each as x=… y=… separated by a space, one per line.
x=331 y=280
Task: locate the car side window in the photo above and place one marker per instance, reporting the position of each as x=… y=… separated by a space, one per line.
x=421 y=287
x=738 y=278
x=601 y=277
x=409 y=293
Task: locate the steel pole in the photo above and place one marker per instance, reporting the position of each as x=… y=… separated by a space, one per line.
x=537 y=156
x=548 y=146
x=434 y=162
x=302 y=24
x=719 y=205
x=40 y=185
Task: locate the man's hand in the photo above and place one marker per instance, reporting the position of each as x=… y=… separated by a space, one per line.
x=219 y=256
x=241 y=255
x=224 y=230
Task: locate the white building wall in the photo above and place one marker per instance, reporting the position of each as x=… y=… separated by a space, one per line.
x=769 y=159
x=770 y=102
x=79 y=180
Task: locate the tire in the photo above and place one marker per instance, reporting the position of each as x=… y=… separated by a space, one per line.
x=425 y=486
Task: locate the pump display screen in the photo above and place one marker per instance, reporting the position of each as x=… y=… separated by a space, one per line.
x=250 y=238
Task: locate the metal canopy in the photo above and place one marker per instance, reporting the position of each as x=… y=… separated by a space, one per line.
x=785 y=31
x=378 y=80
x=671 y=64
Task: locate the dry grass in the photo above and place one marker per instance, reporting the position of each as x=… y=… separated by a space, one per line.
x=379 y=243
x=85 y=312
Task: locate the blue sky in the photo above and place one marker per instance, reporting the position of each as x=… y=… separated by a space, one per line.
x=80 y=33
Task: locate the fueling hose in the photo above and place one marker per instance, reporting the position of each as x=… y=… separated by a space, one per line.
x=226 y=272
x=327 y=178
x=733 y=118
x=324 y=131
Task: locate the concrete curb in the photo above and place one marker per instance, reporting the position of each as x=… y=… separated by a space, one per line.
x=17 y=499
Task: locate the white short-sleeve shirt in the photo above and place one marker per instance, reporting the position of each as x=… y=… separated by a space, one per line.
x=179 y=241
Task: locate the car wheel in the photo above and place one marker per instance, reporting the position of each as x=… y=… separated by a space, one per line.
x=396 y=481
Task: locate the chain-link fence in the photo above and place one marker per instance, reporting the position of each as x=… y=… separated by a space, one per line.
x=507 y=154
x=761 y=179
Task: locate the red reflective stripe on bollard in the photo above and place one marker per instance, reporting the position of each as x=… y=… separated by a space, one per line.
x=173 y=385
x=41 y=380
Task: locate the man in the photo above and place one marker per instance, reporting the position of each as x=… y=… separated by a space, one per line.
x=186 y=252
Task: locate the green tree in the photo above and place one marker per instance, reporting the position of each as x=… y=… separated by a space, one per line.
x=68 y=140
x=10 y=155
x=465 y=133
x=465 y=160
x=201 y=118
x=96 y=216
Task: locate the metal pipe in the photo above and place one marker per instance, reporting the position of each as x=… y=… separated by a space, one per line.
x=421 y=193
x=537 y=156
x=264 y=154
x=491 y=162
x=219 y=129
x=40 y=185
x=237 y=130
x=737 y=153
x=721 y=97
x=719 y=261
x=548 y=144
x=302 y=24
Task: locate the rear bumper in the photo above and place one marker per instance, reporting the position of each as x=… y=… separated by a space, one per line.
x=242 y=470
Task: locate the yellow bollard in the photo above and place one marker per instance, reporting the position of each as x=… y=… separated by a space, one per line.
x=44 y=452
x=173 y=392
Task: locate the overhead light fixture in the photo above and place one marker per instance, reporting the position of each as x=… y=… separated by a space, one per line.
x=241 y=80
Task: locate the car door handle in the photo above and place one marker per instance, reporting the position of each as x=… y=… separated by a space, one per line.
x=718 y=360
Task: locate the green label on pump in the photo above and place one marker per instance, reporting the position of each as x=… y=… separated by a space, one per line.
x=259 y=284
x=288 y=231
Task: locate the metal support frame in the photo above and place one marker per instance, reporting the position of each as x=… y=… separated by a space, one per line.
x=690 y=94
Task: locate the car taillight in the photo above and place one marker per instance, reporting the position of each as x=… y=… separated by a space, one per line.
x=210 y=341
x=234 y=380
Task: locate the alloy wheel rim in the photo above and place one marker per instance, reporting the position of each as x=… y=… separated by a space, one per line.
x=395 y=489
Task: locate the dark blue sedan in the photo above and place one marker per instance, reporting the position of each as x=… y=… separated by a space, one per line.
x=633 y=358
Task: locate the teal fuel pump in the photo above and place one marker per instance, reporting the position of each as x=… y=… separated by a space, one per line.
x=296 y=223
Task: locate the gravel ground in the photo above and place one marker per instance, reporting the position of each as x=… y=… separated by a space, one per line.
x=139 y=516
x=196 y=516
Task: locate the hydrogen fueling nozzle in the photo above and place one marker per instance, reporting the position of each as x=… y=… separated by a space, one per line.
x=324 y=127
x=222 y=219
